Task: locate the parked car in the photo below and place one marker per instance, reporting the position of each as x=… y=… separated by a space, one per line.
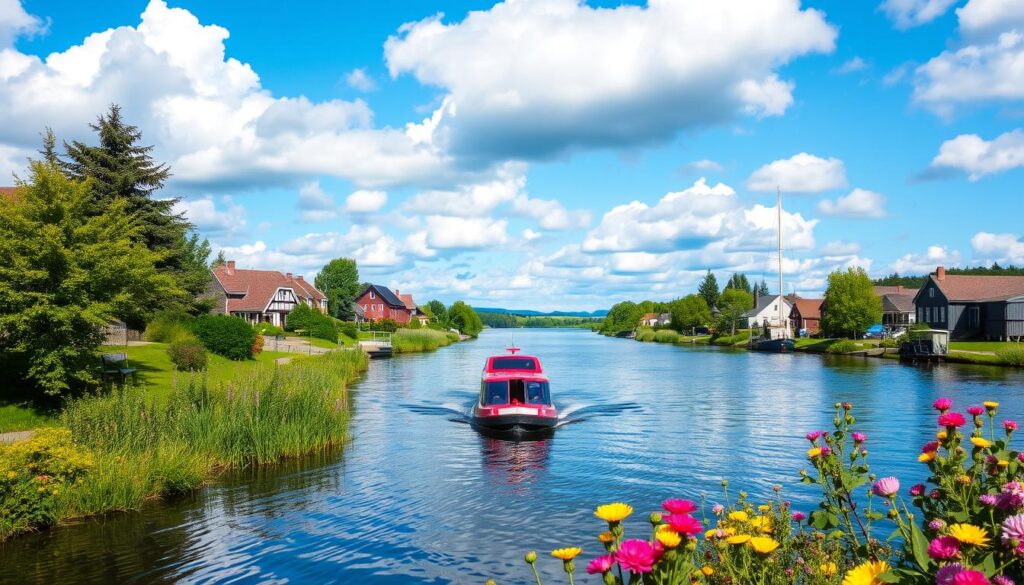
x=876 y=331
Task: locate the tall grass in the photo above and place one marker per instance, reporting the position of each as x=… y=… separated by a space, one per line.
x=645 y=334
x=1013 y=356
x=415 y=340
x=666 y=336
x=147 y=448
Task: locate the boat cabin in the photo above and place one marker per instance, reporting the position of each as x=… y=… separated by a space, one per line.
x=925 y=345
x=514 y=379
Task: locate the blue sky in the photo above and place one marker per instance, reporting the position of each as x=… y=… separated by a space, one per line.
x=553 y=154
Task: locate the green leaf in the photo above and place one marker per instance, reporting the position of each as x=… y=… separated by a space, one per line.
x=889 y=577
x=919 y=545
x=988 y=565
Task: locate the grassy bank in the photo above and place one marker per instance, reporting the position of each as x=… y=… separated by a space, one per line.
x=417 y=340
x=116 y=450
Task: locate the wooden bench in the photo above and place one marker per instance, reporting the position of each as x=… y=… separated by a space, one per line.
x=116 y=367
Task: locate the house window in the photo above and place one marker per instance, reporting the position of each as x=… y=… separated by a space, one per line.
x=373 y=295
x=973 y=317
x=928 y=314
x=931 y=293
x=942 y=314
x=920 y=314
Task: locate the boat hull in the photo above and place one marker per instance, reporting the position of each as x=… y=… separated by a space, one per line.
x=512 y=422
x=773 y=345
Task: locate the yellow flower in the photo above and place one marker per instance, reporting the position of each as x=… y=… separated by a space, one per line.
x=763 y=544
x=828 y=569
x=981 y=443
x=606 y=537
x=969 y=534
x=926 y=456
x=708 y=571
x=764 y=507
x=738 y=539
x=616 y=512
x=11 y=475
x=566 y=554
x=866 y=573
x=762 y=523
x=668 y=537
x=964 y=479
x=991 y=405
x=1003 y=463
x=941 y=435
x=738 y=516
x=709 y=534
x=813 y=452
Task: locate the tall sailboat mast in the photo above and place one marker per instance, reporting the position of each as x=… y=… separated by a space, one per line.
x=778 y=211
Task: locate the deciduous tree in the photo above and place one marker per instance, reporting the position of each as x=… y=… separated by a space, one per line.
x=689 y=312
x=339 y=280
x=851 y=305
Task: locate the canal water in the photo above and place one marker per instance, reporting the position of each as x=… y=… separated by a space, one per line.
x=419 y=497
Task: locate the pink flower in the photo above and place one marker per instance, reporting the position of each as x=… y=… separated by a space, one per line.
x=601 y=564
x=951 y=419
x=917 y=489
x=886 y=487
x=718 y=509
x=859 y=437
x=799 y=516
x=1020 y=457
x=813 y=436
x=944 y=548
x=930 y=447
x=937 y=524
x=989 y=500
x=1002 y=580
x=969 y=577
x=975 y=410
x=942 y=404
x=635 y=555
x=1013 y=529
x=684 y=524
x=1010 y=425
x=825 y=451
x=679 y=506
x=946 y=574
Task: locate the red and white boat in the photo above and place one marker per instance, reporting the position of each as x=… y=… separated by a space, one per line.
x=514 y=395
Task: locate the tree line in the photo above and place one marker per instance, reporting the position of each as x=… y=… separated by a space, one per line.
x=913 y=282
x=510 y=321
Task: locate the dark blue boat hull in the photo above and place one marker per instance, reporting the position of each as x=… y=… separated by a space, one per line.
x=774 y=345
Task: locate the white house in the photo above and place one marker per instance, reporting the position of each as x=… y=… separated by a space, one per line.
x=261 y=296
x=767 y=309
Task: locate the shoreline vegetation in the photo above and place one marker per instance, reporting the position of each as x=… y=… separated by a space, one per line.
x=113 y=452
x=421 y=340
x=960 y=352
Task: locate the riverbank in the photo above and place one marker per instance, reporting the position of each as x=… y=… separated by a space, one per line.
x=113 y=452
x=964 y=352
x=420 y=340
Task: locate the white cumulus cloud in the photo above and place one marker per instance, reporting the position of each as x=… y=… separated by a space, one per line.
x=975 y=73
x=859 y=203
x=911 y=13
x=978 y=157
x=533 y=78
x=926 y=263
x=984 y=17
x=227 y=219
x=801 y=173
x=364 y=201
x=359 y=79
x=1002 y=248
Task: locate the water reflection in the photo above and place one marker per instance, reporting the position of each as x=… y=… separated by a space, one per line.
x=516 y=464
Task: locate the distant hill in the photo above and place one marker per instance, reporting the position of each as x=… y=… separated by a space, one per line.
x=529 y=313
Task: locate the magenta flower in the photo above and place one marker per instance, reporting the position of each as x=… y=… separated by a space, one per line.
x=601 y=564
x=937 y=524
x=990 y=500
x=886 y=487
x=917 y=489
x=951 y=419
x=718 y=509
x=944 y=548
x=813 y=436
x=859 y=438
x=1002 y=580
x=946 y=574
x=684 y=524
x=975 y=410
x=679 y=506
x=930 y=447
x=635 y=555
x=825 y=451
x=1013 y=529
x=942 y=404
x=1020 y=457
x=799 y=516
x=970 y=577
x=1010 y=425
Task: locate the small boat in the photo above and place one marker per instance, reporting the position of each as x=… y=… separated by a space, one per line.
x=925 y=345
x=775 y=336
x=514 y=395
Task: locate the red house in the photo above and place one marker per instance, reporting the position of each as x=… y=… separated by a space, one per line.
x=806 y=315
x=378 y=303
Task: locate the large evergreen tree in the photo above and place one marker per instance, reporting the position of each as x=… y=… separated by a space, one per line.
x=121 y=168
x=339 y=280
x=738 y=281
x=64 y=274
x=708 y=289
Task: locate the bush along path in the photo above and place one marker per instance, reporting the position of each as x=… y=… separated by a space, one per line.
x=964 y=527
x=114 y=451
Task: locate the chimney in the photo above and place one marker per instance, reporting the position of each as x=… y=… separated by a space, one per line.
x=288 y=275
x=299 y=277
x=231 y=267
x=940 y=273
x=397 y=292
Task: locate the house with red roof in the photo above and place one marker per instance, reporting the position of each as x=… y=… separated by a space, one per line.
x=805 y=316
x=973 y=306
x=261 y=296
x=379 y=302
x=8 y=192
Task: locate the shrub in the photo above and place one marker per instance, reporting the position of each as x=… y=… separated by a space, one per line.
x=228 y=336
x=187 y=355
x=452 y=336
x=33 y=475
x=385 y=325
x=269 y=330
x=323 y=328
x=349 y=330
x=299 y=318
x=889 y=343
x=257 y=345
x=843 y=346
x=168 y=327
x=666 y=336
x=1013 y=356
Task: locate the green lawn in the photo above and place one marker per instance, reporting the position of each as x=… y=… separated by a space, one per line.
x=155 y=372
x=992 y=346
x=323 y=343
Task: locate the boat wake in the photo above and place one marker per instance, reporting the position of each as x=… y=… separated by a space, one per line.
x=452 y=412
x=568 y=415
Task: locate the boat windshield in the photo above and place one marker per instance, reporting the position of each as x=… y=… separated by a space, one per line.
x=528 y=392
x=513 y=363
x=537 y=392
x=495 y=393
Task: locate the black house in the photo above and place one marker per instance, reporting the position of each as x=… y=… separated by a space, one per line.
x=973 y=306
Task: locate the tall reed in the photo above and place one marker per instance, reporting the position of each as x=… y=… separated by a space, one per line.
x=415 y=340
